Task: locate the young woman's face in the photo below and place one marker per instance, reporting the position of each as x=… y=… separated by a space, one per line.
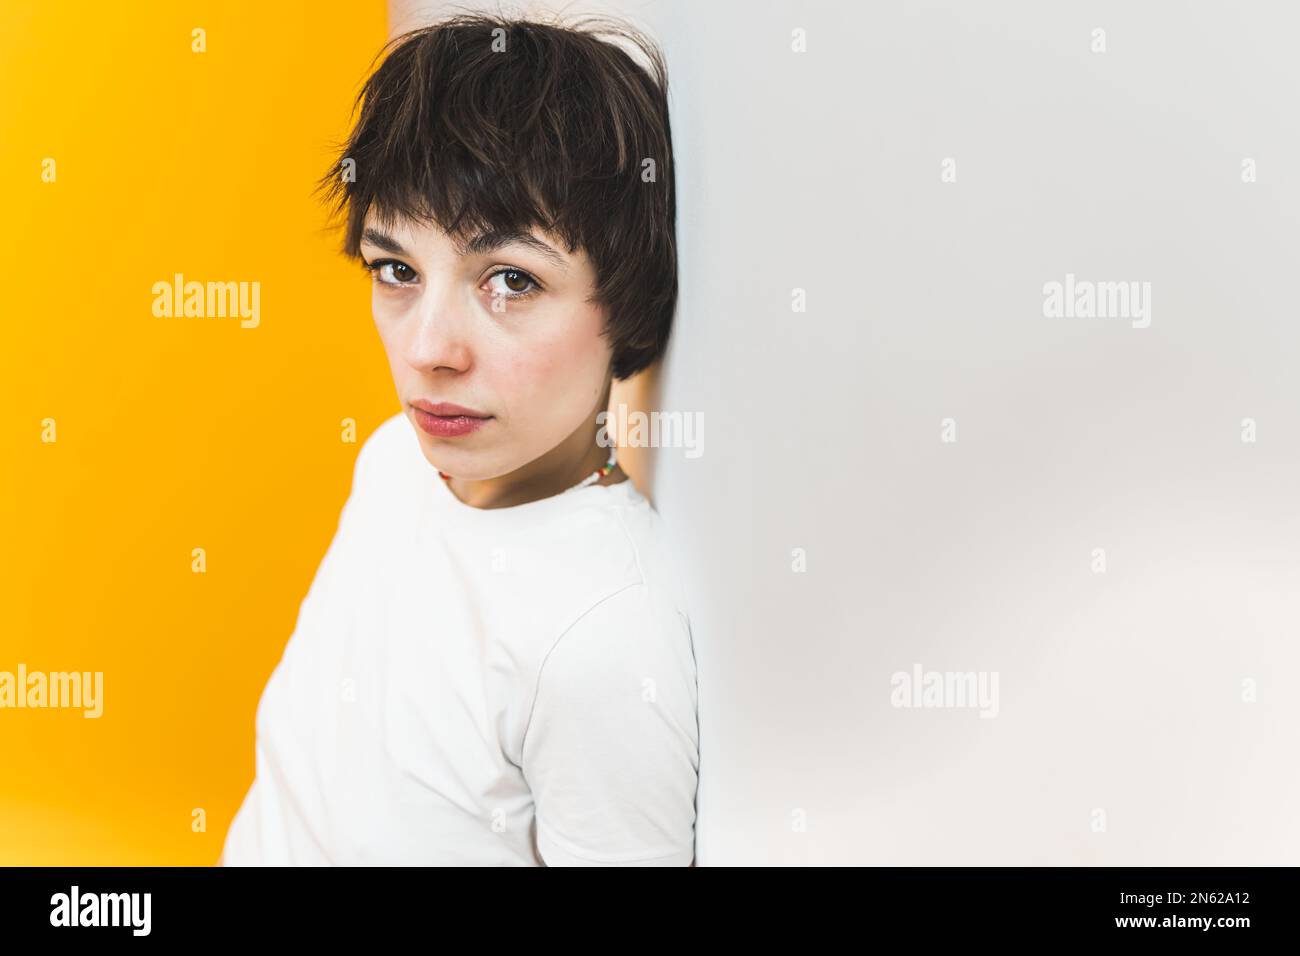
x=502 y=328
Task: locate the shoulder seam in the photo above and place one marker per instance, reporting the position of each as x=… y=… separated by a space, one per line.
x=636 y=551
x=537 y=682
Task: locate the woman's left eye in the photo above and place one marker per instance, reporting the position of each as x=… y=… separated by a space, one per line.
x=515 y=283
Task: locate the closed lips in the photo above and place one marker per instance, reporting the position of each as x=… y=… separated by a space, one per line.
x=448 y=410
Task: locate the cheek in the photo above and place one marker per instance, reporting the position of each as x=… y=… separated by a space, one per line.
x=390 y=320
x=570 y=363
x=380 y=312
x=392 y=347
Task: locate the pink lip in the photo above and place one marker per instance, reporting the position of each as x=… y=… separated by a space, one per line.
x=446 y=420
x=447 y=409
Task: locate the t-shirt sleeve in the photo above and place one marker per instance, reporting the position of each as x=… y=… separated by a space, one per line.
x=258 y=833
x=611 y=751
x=327 y=603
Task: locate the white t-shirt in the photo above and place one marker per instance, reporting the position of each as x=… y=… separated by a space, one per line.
x=467 y=686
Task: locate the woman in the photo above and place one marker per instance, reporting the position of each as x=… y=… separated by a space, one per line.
x=494 y=663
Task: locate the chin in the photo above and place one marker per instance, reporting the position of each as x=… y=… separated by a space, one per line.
x=459 y=466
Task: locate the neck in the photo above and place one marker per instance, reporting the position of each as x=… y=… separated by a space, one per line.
x=557 y=471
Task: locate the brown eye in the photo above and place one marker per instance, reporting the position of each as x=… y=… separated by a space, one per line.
x=514 y=283
x=392 y=272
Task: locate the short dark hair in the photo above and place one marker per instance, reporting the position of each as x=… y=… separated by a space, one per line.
x=480 y=123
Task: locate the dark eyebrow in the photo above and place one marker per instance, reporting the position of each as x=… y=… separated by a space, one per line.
x=478 y=245
x=486 y=242
x=383 y=241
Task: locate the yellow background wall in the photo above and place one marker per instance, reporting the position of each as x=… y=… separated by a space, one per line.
x=172 y=433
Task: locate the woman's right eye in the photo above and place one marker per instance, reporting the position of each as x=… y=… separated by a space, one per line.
x=391 y=272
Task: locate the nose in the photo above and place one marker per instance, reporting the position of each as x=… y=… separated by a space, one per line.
x=439 y=329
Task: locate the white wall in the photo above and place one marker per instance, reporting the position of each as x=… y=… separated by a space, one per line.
x=1119 y=692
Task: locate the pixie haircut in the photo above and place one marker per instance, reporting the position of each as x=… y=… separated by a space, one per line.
x=486 y=125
